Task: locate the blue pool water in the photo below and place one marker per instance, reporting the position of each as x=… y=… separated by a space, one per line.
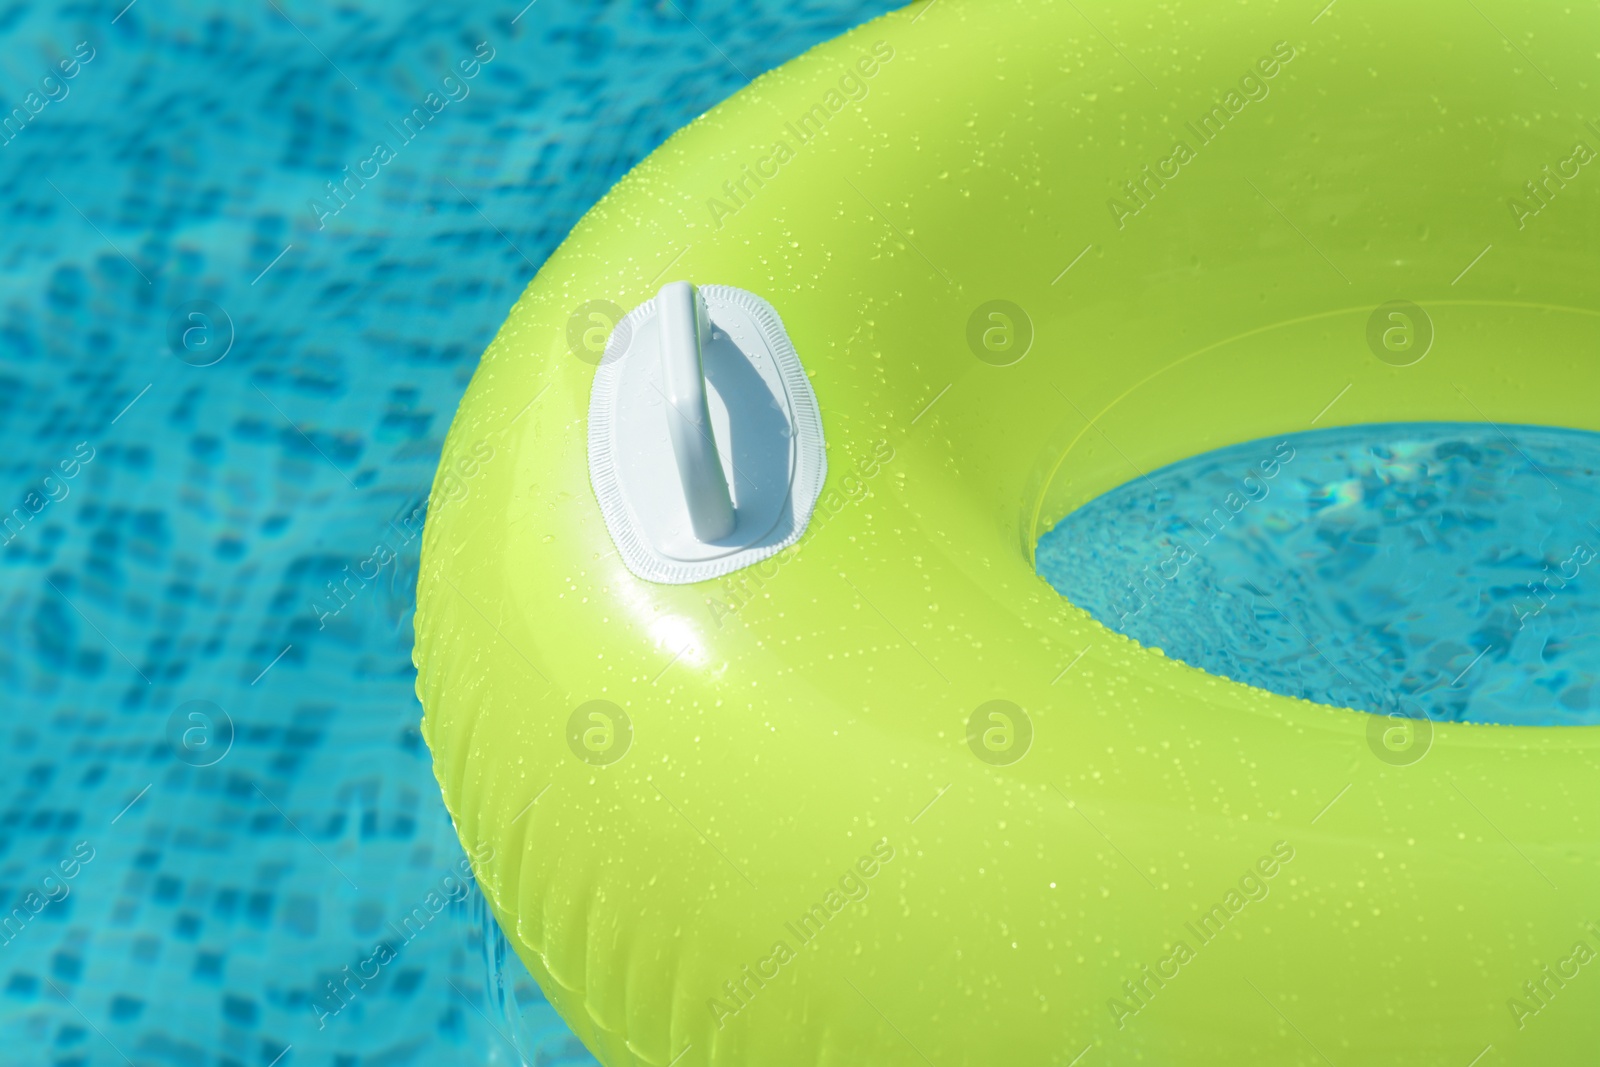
x=1432 y=570
x=222 y=392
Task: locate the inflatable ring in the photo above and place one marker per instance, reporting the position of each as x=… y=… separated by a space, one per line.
x=883 y=797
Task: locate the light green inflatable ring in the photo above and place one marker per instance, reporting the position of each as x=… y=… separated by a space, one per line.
x=813 y=837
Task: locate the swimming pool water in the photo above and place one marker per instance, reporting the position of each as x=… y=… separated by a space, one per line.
x=1432 y=570
x=208 y=568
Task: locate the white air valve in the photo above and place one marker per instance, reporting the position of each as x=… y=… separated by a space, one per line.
x=705 y=441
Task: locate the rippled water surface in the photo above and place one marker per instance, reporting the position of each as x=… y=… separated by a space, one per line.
x=211 y=543
x=1439 y=570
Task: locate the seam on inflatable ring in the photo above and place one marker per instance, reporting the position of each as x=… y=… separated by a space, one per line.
x=578 y=994
x=472 y=821
x=516 y=940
